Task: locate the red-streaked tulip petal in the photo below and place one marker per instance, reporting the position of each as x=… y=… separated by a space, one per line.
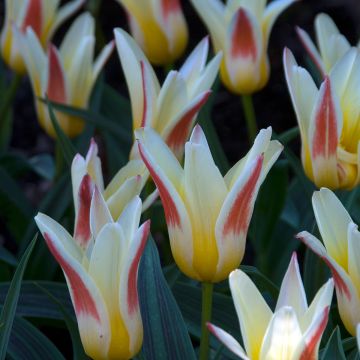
x=346 y=293
x=234 y=217
x=93 y=165
x=292 y=292
x=78 y=171
x=324 y=133
x=313 y=336
x=178 y=133
x=149 y=95
x=56 y=86
x=253 y=312
x=90 y=308
x=333 y=221
x=228 y=341
x=282 y=336
x=353 y=236
x=82 y=233
x=321 y=300
x=34 y=17
x=311 y=49
x=99 y=213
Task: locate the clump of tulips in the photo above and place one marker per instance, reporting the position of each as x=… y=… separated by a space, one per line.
x=153 y=245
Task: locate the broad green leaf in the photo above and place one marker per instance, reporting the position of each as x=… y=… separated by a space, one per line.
x=27 y=342
x=9 y=308
x=333 y=349
x=288 y=135
x=165 y=333
x=67 y=147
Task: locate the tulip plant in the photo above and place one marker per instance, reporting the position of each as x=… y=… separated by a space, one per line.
x=143 y=216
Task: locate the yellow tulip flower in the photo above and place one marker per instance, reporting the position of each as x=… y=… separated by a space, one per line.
x=43 y=16
x=292 y=332
x=207 y=214
x=66 y=75
x=241 y=30
x=172 y=108
x=101 y=274
x=331 y=43
x=329 y=120
x=159 y=27
x=341 y=253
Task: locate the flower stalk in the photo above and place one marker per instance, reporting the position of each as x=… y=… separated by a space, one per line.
x=206 y=308
x=250 y=117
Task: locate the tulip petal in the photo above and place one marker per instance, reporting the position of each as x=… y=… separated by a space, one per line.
x=313 y=336
x=311 y=49
x=333 y=221
x=235 y=214
x=212 y=13
x=272 y=12
x=82 y=233
x=321 y=300
x=282 y=335
x=34 y=17
x=228 y=341
x=93 y=165
x=292 y=292
x=178 y=131
x=168 y=175
x=324 y=133
x=102 y=58
x=253 y=312
x=149 y=95
x=99 y=213
x=346 y=293
x=90 y=309
x=56 y=86
x=130 y=56
x=358 y=336
x=204 y=200
x=353 y=254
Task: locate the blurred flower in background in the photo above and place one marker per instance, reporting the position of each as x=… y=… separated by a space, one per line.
x=101 y=274
x=159 y=27
x=172 y=108
x=42 y=16
x=293 y=331
x=241 y=30
x=66 y=75
x=341 y=253
x=207 y=214
x=329 y=120
x=331 y=43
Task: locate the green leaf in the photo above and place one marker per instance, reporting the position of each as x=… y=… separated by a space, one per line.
x=165 y=333
x=43 y=165
x=27 y=342
x=9 y=308
x=66 y=145
x=333 y=349
x=7 y=257
x=78 y=350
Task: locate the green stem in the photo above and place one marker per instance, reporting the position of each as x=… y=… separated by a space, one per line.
x=250 y=118
x=207 y=291
x=59 y=160
x=9 y=97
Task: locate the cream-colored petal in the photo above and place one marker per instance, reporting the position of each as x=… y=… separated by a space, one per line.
x=353 y=236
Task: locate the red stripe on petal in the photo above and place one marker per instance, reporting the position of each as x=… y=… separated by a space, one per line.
x=171 y=213
x=180 y=131
x=325 y=138
x=240 y=213
x=82 y=298
x=82 y=227
x=56 y=89
x=243 y=42
x=132 y=295
x=169 y=6
x=311 y=350
x=33 y=17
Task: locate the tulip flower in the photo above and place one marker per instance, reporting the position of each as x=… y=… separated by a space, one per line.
x=341 y=251
x=292 y=332
x=127 y=183
x=101 y=274
x=358 y=336
x=43 y=16
x=241 y=30
x=66 y=75
x=172 y=109
x=207 y=215
x=331 y=43
x=159 y=27
x=329 y=120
